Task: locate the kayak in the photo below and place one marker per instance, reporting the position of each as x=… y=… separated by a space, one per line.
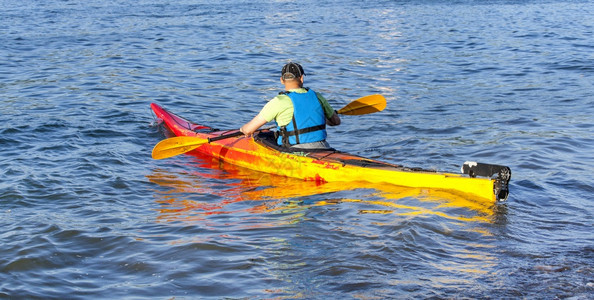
x=483 y=182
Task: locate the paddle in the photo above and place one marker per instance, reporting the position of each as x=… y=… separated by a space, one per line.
x=364 y=105
x=182 y=144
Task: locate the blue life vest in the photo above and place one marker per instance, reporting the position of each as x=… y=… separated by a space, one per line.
x=309 y=121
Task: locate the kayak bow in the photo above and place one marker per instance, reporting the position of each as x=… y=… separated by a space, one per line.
x=260 y=153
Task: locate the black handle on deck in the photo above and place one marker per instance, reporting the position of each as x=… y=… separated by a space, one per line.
x=225 y=136
x=238 y=133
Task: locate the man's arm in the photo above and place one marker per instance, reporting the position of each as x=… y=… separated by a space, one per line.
x=334 y=120
x=332 y=117
x=250 y=127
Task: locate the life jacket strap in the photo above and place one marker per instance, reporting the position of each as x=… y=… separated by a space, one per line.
x=286 y=134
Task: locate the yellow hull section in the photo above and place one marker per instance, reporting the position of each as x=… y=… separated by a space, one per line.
x=245 y=152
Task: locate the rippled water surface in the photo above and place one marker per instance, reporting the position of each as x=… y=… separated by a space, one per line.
x=86 y=213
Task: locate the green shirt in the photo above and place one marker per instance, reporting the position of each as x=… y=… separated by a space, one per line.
x=280 y=108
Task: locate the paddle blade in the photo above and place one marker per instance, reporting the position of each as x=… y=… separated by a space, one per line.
x=176 y=145
x=364 y=105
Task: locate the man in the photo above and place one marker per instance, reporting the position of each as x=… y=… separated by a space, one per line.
x=300 y=113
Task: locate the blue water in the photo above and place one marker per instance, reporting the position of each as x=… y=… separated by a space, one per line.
x=86 y=213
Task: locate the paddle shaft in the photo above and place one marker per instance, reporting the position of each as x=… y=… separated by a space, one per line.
x=235 y=134
x=364 y=105
x=224 y=136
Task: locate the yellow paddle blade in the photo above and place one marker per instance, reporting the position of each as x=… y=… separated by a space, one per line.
x=364 y=105
x=176 y=146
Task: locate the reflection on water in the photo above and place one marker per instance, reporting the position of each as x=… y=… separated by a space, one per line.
x=296 y=225
x=212 y=188
x=284 y=216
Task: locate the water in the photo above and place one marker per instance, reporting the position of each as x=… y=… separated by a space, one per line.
x=86 y=213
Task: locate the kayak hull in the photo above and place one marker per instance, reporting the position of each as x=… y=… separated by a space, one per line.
x=261 y=154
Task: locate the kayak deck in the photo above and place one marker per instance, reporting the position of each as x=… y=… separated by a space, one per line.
x=261 y=153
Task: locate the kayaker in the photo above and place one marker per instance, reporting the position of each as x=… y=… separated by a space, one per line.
x=300 y=113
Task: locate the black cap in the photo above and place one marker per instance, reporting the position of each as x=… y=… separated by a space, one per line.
x=291 y=71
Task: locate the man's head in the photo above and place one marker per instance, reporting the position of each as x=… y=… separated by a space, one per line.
x=292 y=71
x=292 y=75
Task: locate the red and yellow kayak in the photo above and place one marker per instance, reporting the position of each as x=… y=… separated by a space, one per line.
x=482 y=182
